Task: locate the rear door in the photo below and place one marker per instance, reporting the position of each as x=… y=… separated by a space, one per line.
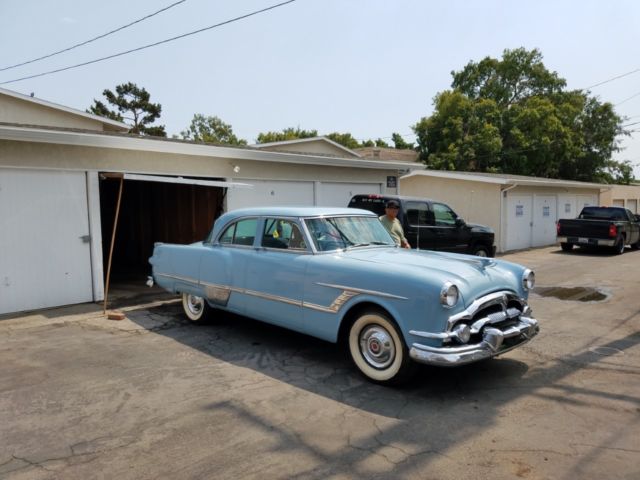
x=634 y=228
x=223 y=266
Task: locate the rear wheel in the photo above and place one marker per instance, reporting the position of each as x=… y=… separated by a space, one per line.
x=195 y=308
x=566 y=247
x=619 y=248
x=378 y=350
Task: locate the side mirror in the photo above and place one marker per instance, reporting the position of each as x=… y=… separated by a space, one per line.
x=460 y=222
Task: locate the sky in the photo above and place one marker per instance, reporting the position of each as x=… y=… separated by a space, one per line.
x=368 y=67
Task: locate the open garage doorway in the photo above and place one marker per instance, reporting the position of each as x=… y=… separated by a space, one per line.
x=152 y=211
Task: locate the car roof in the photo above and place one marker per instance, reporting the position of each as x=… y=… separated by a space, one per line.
x=294 y=212
x=386 y=198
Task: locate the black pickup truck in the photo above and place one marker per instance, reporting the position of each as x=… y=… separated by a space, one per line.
x=612 y=227
x=432 y=225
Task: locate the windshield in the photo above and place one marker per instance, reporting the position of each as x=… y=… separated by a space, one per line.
x=333 y=233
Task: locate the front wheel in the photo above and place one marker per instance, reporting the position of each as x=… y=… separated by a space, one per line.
x=481 y=251
x=195 y=308
x=377 y=349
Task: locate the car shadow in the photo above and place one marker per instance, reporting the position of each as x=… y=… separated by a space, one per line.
x=438 y=409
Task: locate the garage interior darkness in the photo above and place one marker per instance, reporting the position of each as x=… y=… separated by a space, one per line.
x=153 y=212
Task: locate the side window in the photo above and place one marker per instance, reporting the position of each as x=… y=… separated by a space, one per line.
x=241 y=232
x=445 y=217
x=418 y=214
x=280 y=233
x=227 y=236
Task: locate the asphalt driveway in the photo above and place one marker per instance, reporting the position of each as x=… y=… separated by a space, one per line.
x=153 y=396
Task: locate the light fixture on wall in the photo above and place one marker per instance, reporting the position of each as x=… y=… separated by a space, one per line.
x=236 y=169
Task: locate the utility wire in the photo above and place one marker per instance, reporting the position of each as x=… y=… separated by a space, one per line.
x=627 y=99
x=612 y=79
x=92 y=39
x=151 y=44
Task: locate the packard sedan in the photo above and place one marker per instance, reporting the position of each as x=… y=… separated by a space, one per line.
x=336 y=274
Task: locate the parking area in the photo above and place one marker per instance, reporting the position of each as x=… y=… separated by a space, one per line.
x=153 y=396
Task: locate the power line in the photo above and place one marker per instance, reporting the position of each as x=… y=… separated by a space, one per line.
x=612 y=79
x=627 y=99
x=93 y=39
x=151 y=44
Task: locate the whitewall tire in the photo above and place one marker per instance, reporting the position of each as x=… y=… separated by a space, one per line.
x=195 y=308
x=378 y=350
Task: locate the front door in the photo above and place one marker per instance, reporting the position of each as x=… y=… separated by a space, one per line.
x=419 y=225
x=450 y=237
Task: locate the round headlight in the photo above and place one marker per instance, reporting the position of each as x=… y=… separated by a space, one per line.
x=449 y=295
x=528 y=279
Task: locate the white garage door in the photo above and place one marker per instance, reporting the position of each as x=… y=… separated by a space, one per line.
x=586 y=201
x=334 y=194
x=567 y=206
x=271 y=193
x=45 y=258
x=519 y=221
x=618 y=203
x=544 y=220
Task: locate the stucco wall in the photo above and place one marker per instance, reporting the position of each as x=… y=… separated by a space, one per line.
x=15 y=110
x=476 y=202
x=630 y=194
x=42 y=155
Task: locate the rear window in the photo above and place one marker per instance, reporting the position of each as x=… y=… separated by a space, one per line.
x=602 y=213
x=373 y=204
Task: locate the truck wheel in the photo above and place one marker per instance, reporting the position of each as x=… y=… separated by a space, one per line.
x=635 y=246
x=378 y=350
x=619 y=248
x=566 y=247
x=195 y=308
x=481 y=251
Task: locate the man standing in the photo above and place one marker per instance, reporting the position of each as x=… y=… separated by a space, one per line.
x=392 y=224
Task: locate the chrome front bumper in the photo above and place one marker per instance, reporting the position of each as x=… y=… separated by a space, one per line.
x=494 y=342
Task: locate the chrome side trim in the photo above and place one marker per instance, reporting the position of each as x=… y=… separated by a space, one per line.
x=218 y=294
x=361 y=290
x=177 y=277
x=336 y=305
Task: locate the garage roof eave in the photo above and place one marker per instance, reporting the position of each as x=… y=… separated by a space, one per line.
x=159 y=145
x=506 y=181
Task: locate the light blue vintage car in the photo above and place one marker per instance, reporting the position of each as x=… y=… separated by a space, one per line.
x=336 y=274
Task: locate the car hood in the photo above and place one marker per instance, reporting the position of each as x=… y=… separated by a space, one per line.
x=474 y=276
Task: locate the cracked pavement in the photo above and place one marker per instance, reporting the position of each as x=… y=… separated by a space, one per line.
x=154 y=396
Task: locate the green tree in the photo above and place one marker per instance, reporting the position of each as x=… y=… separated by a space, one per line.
x=512 y=115
x=344 y=139
x=399 y=143
x=286 y=134
x=210 y=129
x=132 y=104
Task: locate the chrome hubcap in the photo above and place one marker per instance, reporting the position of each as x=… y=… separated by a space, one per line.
x=195 y=304
x=481 y=253
x=377 y=347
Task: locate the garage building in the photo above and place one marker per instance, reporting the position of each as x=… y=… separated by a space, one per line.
x=522 y=210
x=60 y=172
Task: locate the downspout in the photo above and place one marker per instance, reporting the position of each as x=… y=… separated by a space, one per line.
x=503 y=195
